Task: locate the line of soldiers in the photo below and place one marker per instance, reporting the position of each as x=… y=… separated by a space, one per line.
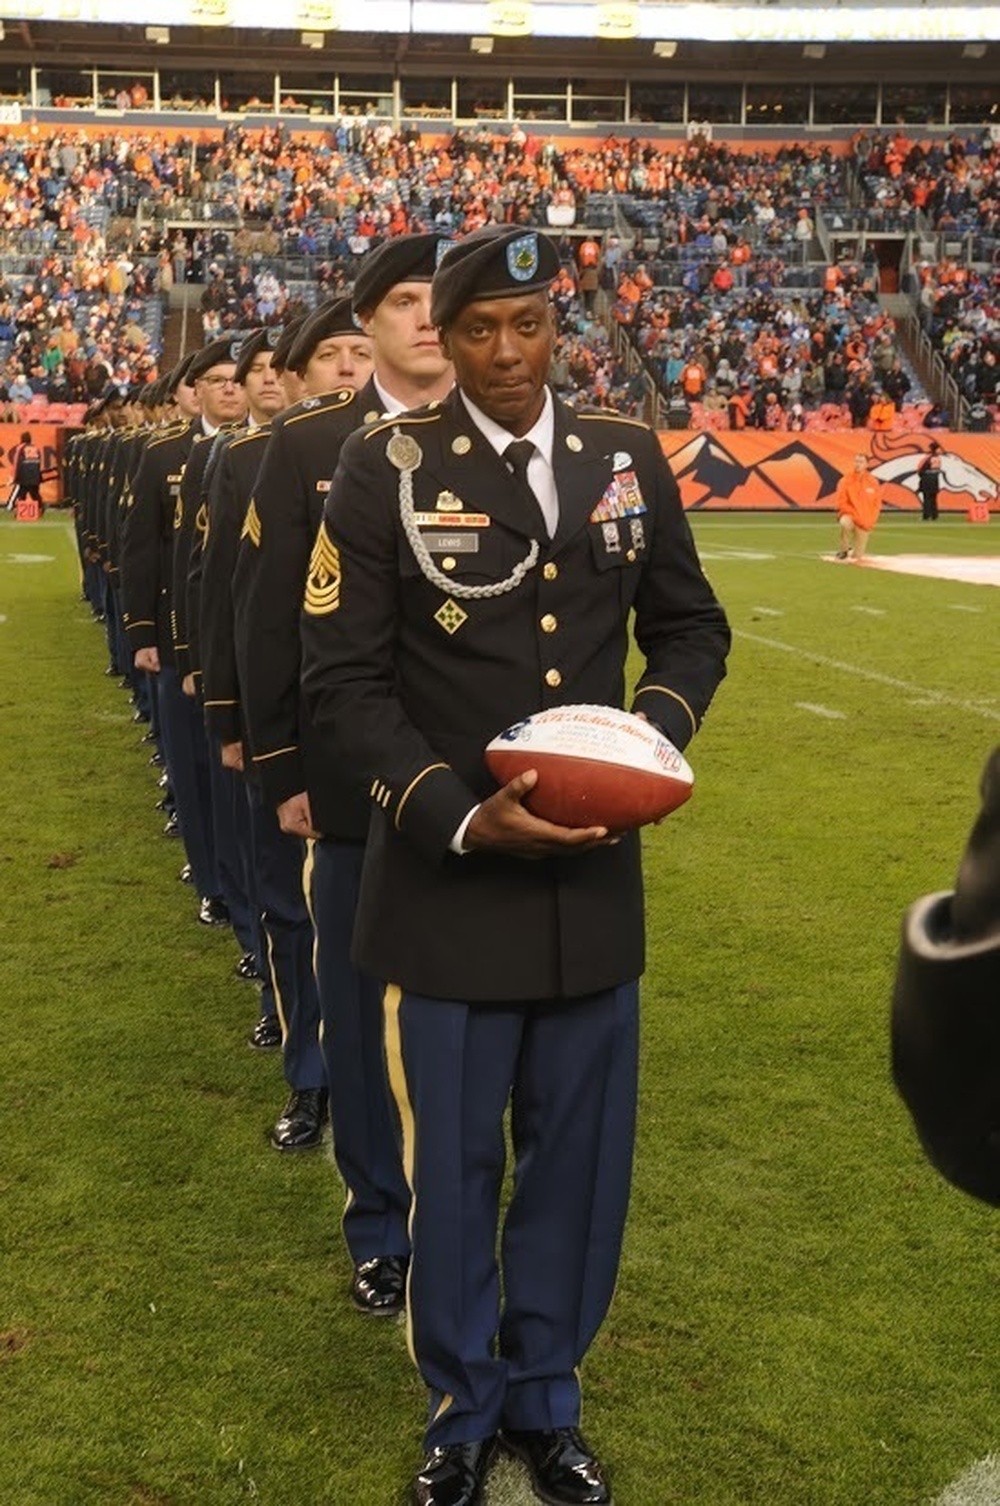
x=197 y=504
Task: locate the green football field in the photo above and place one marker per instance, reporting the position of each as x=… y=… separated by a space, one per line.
x=805 y=1316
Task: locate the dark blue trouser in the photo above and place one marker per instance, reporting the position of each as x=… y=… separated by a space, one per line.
x=569 y=1069
x=364 y=1133
x=185 y=748
x=288 y=936
x=233 y=847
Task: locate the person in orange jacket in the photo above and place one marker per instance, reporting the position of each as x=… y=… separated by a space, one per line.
x=859 y=502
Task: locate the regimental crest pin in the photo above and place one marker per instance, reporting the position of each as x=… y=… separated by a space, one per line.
x=450 y=616
x=448 y=502
x=522 y=258
x=403 y=452
x=621 y=460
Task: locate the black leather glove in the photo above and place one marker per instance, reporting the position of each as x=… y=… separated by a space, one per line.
x=975 y=910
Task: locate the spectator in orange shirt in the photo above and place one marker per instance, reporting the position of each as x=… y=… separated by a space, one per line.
x=859 y=502
x=882 y=414
x=693 y=381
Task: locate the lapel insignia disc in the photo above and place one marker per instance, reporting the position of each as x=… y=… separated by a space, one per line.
x=403 y=452
x=461 y=445
x=372 y=415
x=323 y=580
x=574 y=443
x=450 y=616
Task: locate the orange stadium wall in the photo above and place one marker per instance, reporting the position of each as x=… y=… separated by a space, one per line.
x=50 y=439
x=800 y=472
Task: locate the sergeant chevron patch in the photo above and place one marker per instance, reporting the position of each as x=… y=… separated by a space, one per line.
x=323 y=580
x=251 y=525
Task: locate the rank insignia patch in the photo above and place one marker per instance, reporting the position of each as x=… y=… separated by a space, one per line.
x=178 y=513
x=251 y=525
x=450 y=616
x=323 y=580
x=201 y=523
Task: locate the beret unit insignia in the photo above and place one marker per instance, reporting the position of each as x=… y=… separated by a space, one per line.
x=251 y=525
x=323 y=580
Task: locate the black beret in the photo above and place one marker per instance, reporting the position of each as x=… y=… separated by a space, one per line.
x=403 y=258
x=180 y=372
x=286 y=339
x=335 y=317
x=249 y=346
x=223 y=352
x=498 y=261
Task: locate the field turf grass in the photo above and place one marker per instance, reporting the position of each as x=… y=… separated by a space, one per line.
x=806 y=1315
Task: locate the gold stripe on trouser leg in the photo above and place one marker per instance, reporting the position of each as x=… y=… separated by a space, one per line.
x=391 y=1000
x=308 y=874
x=282 y=1021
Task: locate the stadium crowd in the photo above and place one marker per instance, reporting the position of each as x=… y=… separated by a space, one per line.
x=690 y=238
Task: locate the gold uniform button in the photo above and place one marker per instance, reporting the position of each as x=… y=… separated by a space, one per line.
x=549 y=623
x=553 y=679
x=550 y=571
x=448 y=563
x=630 y=556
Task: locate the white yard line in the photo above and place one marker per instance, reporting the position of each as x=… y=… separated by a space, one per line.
x=932 y=697
x=978 y=1486
x=827 y=711
x=768 y=611
x=877 y=611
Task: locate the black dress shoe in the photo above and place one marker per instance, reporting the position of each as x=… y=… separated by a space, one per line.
x=112 y=671
x=213 y=912
x=454 y=1475
x=300 y=1126
x=163 y=783
x=156 y=760
x=246 y=969
x=140 y=716
x=148 y=736
x=266 y=1034
x=379 y=1285
x=185 y=875
x=173 y=826
x=564 y=1472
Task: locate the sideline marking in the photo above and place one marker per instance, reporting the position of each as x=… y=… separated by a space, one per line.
x=27 y=559
x=978 y=1486
x=934 y=697
x=720 y=552
x=959 y=606
x=827 y=711
x=880 y=611
x=767 y=611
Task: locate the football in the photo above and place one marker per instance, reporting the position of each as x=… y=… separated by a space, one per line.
x=597 y=766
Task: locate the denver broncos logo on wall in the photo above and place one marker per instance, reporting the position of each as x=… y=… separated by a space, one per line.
x=754 y=470
x=896 y=461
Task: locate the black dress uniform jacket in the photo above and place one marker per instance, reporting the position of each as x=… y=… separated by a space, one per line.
x=410 y=681
x=190 y=525
x=277 y=539
x=147 y=540
x=229 y=492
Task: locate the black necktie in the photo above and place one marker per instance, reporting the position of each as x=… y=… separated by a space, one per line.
x=517 y=455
